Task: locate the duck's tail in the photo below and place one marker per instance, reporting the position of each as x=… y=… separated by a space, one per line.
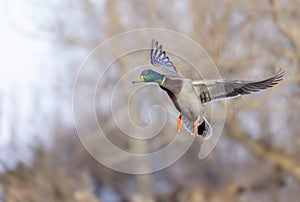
x=204 y=128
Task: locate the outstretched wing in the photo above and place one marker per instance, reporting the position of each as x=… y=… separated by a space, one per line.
x=159 y=58
x=222 y=89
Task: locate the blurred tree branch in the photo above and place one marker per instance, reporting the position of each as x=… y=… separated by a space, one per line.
x=290 y=32
x=262 y=150
x=287 y=31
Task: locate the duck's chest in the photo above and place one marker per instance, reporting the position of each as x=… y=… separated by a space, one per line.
x=184 y=98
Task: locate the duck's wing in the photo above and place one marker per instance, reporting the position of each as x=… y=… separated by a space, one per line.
x=159 y=58
x=222 y=89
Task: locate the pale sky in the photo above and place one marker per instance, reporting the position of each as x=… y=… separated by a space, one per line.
x=20 y=72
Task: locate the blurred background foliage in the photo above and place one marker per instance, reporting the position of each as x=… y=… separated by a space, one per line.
x=43 y=44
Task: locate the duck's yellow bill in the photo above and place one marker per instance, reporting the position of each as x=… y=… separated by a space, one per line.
x=140 y=79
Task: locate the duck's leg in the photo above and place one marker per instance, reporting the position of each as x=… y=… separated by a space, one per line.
x=196 y=123
x=179 y=123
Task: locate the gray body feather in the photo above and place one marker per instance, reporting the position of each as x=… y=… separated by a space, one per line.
x=186 y=101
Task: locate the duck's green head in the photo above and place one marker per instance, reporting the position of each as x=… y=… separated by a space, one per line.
x=149 y=75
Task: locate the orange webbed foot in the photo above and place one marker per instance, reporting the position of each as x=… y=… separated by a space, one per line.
x=196 y=123
x=179 y=123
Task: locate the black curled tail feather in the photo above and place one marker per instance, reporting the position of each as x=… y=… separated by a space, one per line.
x=205 y=129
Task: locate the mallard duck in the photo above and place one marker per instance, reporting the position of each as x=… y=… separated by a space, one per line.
x=189 y=96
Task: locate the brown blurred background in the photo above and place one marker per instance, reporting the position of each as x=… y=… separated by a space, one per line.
x=42 y=159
